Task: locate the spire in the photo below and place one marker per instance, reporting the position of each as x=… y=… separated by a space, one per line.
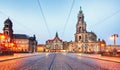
x=34 y=36
x=80 y=15
x=80 y=10
x=56 y=34
x=8 y=21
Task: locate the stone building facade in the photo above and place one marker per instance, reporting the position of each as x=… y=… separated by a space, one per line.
x=55 y=44
x=23 y=42
x=85 y=41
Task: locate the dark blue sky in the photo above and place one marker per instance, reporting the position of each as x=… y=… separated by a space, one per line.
x=101 y=16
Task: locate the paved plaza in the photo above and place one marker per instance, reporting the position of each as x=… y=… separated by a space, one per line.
x=58 y=61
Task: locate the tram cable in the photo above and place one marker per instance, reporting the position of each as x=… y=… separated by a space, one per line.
x=66 y=22
x=44 y=17
x=20 y=24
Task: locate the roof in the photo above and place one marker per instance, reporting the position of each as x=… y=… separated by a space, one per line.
x=20 y=36
x=51 y=40
x=114 y=45
x=56 y=36
x=40 y=45
x=31 y=38
x=1 y=33
x=92 y=33
x=8 y=21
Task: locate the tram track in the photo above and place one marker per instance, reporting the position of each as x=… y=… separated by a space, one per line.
x=55 y=61
x=51 y=65
x=62 y=61
x=69 y=67
x=33 y=64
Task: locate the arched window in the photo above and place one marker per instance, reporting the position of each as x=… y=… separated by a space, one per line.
x=86 y=38
x=79 y=18
x=80 y=29
x=79 y=38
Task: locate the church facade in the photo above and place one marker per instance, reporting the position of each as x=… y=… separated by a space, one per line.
x=55 y=44
x=85 y=41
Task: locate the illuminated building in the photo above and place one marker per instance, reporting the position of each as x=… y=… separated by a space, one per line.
x=54 y=45
x=85 y=41
x=40 y=48
x=23 y=42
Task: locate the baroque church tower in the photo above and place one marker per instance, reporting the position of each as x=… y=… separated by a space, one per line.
x=82 y=35
x=80 y=28
x=8 y=28
x=85 y=41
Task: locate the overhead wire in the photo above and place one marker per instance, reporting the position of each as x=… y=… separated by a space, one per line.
x=66 y=22
x=107 y=18
x=44 y=18
x=23 y=26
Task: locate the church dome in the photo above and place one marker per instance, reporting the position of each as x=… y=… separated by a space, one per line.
x=93 y=34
